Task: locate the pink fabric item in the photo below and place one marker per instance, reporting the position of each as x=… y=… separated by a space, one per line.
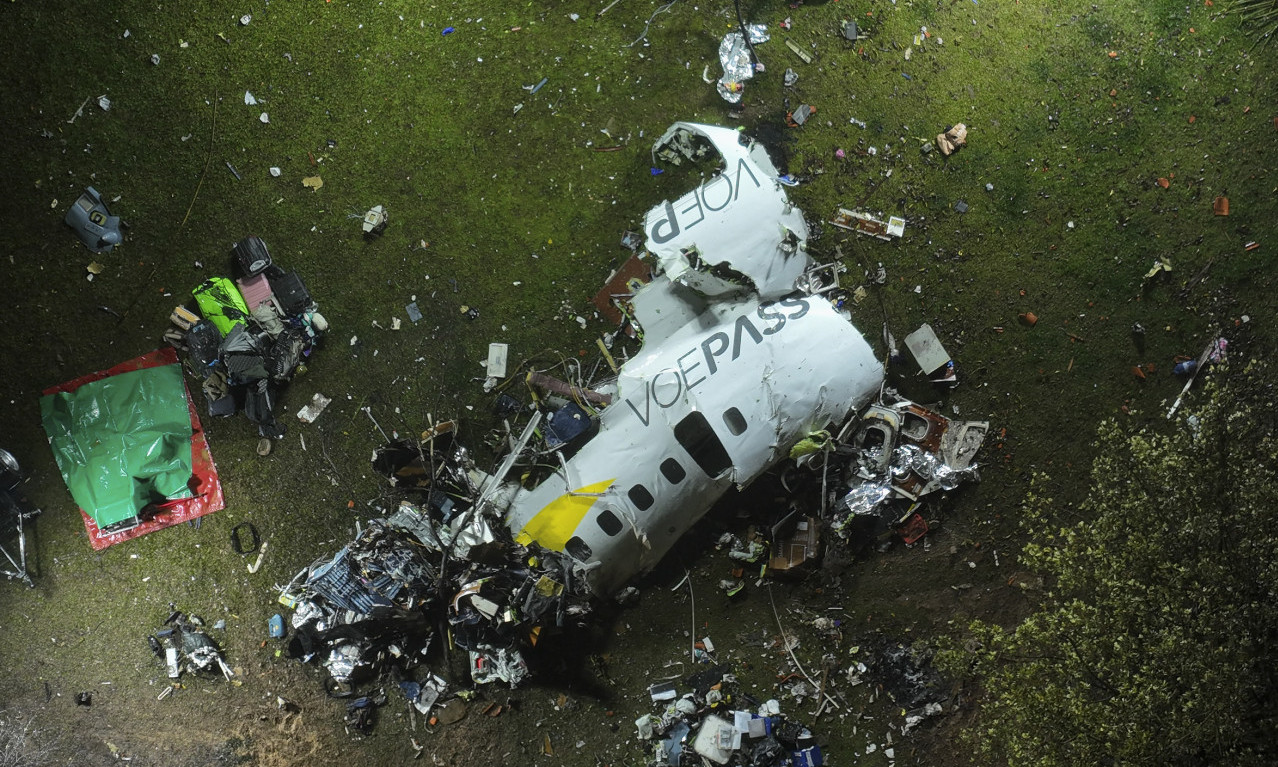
x=255 y=290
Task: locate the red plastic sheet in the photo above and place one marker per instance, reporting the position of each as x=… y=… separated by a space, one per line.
x=204 y=481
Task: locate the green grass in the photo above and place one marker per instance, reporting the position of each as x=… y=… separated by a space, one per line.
x=421 y=125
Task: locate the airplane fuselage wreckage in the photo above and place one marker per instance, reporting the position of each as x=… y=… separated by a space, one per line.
x=747 y=360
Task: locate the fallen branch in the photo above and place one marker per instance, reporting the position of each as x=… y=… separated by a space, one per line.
x=80 y=111
x=1202 y=359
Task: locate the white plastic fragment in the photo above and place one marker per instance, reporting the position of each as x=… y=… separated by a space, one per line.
x=311 y=411
x=265 y=118
x=276 y=171
x=253 y=568
x=497 y=356
x=249 y=100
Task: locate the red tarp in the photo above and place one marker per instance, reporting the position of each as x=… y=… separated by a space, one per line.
x=204 y=482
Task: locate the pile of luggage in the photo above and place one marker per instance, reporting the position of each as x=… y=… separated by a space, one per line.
x=250 y=336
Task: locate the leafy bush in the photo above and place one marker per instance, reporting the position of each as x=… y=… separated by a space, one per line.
x=1154 y=642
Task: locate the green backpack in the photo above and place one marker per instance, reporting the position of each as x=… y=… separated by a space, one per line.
x=221 y=303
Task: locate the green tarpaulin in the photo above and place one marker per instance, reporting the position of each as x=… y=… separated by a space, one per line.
x=122 y=442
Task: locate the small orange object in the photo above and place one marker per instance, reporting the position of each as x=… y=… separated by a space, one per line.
x=1029 y=318
x=350 y=504
x=1113 y=54
x=1113 y=92
x=1192 y=119
x=1220 y=206
x=1164 y=183
x=1251 y=245
x=1191 y=31
x=1136 y=371
x=1246 y=110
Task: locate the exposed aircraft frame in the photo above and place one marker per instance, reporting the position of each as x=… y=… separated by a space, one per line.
x=746 y=360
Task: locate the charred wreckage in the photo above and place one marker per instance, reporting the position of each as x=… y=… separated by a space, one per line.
x=749 y=362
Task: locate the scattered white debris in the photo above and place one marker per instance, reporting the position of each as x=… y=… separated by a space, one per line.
x=311 y=411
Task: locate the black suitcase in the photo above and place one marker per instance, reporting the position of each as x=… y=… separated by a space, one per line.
x=290 y=292
x=251 y=256
x=285 y=353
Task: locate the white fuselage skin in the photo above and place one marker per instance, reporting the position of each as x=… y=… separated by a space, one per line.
x=713 y=405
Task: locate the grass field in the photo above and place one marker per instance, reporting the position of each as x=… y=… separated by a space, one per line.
x=500 y=200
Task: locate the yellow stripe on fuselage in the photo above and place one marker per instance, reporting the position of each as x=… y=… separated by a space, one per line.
x=554 y=525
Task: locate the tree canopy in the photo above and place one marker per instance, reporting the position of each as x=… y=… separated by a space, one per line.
x=1154 y=641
